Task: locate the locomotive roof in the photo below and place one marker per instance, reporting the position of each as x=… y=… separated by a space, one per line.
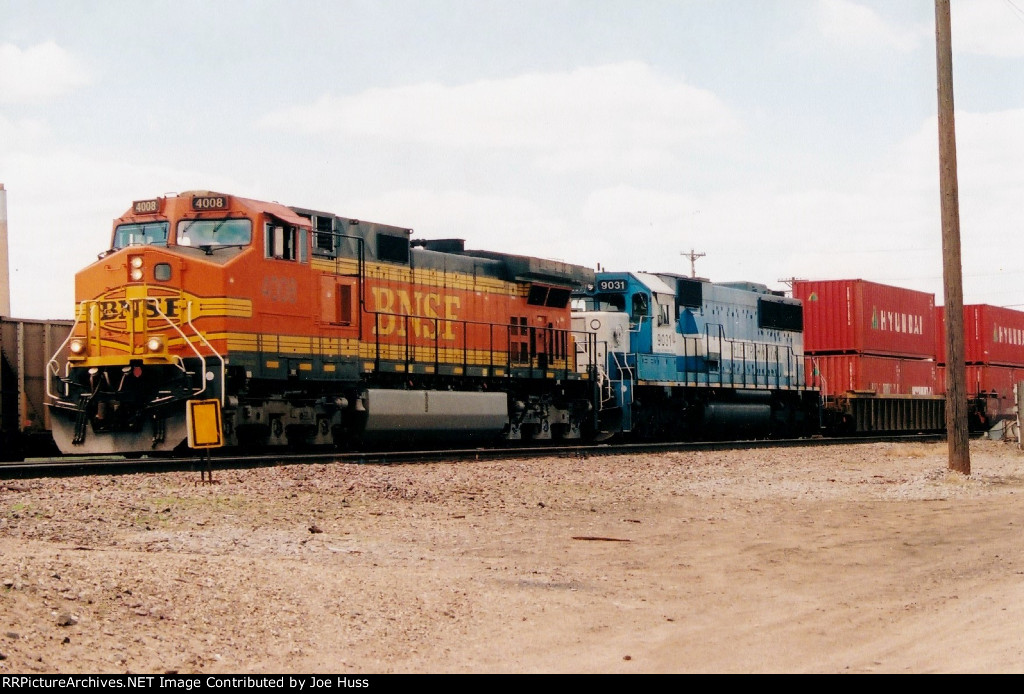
x=531 y=269
x=282 y=212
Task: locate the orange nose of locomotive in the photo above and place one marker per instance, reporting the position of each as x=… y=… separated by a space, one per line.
x=129 y=309
x=139 y=348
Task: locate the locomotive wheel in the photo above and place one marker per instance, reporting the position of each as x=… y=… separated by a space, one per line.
x=252 y=436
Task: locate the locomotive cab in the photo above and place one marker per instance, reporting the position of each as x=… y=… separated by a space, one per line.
x=152 y=322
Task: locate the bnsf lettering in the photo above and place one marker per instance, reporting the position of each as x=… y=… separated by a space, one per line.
x=422 y=307
x=122 y=310
x=907 y=323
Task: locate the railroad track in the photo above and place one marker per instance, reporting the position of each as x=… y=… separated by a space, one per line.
x=72 y=466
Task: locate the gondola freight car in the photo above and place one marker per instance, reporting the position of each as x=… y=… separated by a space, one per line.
x=25 y=346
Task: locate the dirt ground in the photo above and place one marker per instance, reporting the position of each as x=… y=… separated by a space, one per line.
x=863 y=558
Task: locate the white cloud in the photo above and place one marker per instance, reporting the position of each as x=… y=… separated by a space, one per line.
x=20 y=133
x=991 y=152
x=848 y=23
x=627 y=209
x=574 y=118
x=890 y=230
x=38 y=73
x=982 y=27
x=440 y=214
x=502 y=223
x=989 y=27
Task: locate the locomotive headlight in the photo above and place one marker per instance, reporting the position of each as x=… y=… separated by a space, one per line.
x=137 y=275
x=136 y=271
x=155 y=344
x=77 y=347
x=137 y=262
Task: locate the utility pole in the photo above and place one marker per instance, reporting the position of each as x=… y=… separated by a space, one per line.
x=693 y=261
x=952 y=271
x=789 y=281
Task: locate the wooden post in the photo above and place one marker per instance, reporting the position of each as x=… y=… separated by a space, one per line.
x=952 y=272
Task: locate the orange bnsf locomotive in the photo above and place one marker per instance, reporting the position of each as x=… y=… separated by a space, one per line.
x=310 y=329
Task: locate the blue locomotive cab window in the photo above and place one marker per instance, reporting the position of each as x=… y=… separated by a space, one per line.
x=604 y=302
x=639 y=308
x=214 y=233
x=148 y=234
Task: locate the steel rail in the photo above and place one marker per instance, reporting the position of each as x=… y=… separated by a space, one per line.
x=73 y=466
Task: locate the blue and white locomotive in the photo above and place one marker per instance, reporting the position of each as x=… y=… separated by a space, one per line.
x=679 y=357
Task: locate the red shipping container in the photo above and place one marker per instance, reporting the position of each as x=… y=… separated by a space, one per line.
x=859 y=317
x=992 y=335
x=836 y=374
x=993 y=384
x=986 y=379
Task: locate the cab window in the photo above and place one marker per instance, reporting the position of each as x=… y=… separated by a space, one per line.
x=285 y=242
x=200 y=233
x=639 y=306
x=148 y=234
x=600 y=302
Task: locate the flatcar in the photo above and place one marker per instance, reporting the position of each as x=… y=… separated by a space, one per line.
x=685 y=358
x=310 y=328
x=877 y=352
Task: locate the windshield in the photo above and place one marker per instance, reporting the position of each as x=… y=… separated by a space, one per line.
x=600 y=302
x=151 y=234
x=214 y=232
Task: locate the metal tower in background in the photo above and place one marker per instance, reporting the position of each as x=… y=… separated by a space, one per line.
x=5 y=271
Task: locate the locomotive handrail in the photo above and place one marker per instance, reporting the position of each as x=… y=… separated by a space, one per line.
x=550 y=352
x=360 y=269
x=178 y=361
x=819 y=376
x=218 y=355
x=779 y=362
x=89 y=308
x=53 y=366
x=624 y=369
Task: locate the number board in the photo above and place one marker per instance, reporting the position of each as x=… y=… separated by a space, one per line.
x=611 y=285
x=146 y=206
x=210 y=202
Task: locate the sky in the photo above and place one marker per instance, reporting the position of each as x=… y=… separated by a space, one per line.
x=771 y=139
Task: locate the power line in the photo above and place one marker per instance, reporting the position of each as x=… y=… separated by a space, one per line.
x=1020 y=13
